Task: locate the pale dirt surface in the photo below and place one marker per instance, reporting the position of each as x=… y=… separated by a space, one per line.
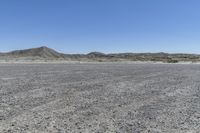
x=99 y=98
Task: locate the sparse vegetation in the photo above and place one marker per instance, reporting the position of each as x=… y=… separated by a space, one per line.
x=172 y=61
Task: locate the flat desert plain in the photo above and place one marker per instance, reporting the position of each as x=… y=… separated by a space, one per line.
x=99 y=98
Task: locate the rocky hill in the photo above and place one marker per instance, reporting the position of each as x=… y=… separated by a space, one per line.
x=42 y=52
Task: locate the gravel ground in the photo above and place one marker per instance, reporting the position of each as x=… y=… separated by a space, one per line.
x=100 y=98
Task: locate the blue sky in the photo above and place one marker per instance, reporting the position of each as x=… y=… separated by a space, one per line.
x=81 y=26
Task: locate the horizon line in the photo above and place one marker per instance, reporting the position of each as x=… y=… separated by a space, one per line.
x=117 y=52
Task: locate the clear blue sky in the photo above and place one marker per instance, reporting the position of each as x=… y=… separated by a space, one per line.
x=81 y=26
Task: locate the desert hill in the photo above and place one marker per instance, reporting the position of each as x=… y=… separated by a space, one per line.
x=43 y=52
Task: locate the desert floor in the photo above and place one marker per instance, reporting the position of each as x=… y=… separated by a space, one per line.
x=99 y=98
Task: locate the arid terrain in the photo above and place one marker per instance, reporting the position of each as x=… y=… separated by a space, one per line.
x=99 y=98
x=45 y=54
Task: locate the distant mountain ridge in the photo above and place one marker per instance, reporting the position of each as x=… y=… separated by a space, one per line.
x=45 y=53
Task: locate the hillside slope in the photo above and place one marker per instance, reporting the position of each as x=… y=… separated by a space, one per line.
x=41 y=52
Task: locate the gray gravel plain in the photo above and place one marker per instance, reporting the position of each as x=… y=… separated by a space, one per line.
x=99 y=98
